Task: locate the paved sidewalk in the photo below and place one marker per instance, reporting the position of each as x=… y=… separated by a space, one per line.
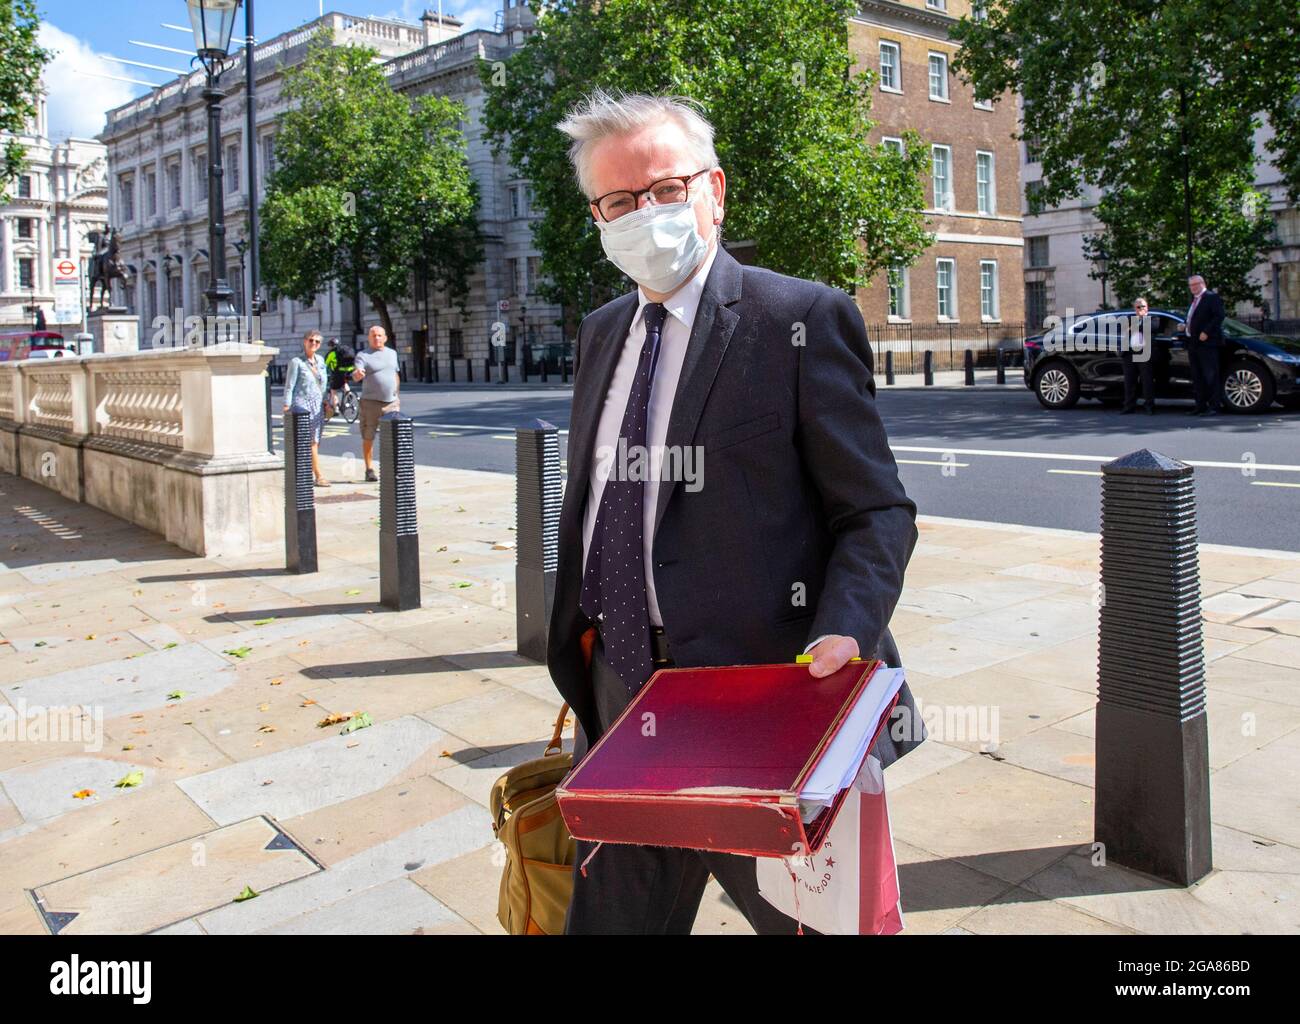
x=212 y=677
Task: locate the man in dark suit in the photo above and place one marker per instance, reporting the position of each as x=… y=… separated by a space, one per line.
x=1204 y=328
x=773 y=521
x=1138 y=357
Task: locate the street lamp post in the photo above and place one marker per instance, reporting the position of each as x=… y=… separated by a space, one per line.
x=213 y=22
x=241 y=247
x=1103 y=264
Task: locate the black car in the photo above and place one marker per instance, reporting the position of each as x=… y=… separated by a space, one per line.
x=1081 y=359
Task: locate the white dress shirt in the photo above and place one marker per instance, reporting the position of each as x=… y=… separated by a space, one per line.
x=681 y=309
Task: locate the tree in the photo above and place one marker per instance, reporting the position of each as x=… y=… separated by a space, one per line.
x=21 y=61
x=1157 y=105
x=776 y=80
x=368 y=184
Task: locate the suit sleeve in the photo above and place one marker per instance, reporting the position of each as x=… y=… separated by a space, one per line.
x=1214 y=328
x=847 y=456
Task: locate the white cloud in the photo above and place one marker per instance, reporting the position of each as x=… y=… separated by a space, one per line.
x=77 y=102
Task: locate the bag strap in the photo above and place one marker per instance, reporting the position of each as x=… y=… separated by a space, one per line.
x=557 y=744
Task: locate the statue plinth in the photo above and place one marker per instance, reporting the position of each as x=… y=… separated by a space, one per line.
x=114 y=329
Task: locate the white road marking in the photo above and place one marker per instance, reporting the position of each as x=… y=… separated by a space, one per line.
x=1271 y=483
x=1062 y=457
x=1077 y=472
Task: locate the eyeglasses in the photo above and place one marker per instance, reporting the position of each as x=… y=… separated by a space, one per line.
x=613 y=205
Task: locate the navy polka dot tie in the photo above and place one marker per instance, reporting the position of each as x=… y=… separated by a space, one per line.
x=613 y=584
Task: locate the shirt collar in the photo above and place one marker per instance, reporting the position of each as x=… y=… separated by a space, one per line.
x=684 y=303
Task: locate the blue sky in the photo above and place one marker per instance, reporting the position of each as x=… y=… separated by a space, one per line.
x=86 y=35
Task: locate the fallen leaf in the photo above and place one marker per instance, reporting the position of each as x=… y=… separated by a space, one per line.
x=360 y=720
x=137 y=716
x=263 y=622
x=266 y=728
x=353 y=592
x=353 y=744
x=336 y=718
x=168 y=647
x=461 y=586
x=128 y=746
x=264 y=707
x=83 y=794
x=445 y=753
x=454 y=561
x=129 y=779
x=238 y=652
x=40 y=643
x=246 y=894
x=443 y=548
x=177 y=695
x=276 y=682
x=307 y=703
x=267 y=782
x=304 y=643
x=90 y=636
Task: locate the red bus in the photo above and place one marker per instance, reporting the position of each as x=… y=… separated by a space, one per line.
x=26 y=344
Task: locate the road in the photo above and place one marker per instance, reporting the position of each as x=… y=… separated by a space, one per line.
x=986 y=453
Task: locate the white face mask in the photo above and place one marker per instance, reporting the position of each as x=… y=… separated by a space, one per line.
x=656 y=246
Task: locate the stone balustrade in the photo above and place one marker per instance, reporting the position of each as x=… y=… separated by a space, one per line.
x=170 y=439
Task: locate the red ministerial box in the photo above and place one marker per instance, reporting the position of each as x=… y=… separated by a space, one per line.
x=715 y=759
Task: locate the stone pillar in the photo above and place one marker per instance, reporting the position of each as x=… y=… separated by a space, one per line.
x=399 y=531
x=115 y=331
x=537 y=532
x=1152 y=810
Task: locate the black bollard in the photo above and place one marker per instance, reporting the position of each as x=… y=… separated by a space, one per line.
x=1002 y=366
x=969 y=361
x=451 y=370
x=505 y=370
x=399 y=533
x=543 y=369
x=889 y=367
x=469 y=370
x=927 y=361
x=487 y=370
x=537 y=533
x=299 y=495
x=1152 y=810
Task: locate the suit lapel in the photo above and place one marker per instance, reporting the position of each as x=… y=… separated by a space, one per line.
x=601 y=350
x=710 y=334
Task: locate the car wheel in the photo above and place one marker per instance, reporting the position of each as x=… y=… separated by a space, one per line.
x=1057 y=385
x=1248 y=387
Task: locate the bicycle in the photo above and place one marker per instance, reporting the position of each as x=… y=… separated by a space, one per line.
x=346 y=404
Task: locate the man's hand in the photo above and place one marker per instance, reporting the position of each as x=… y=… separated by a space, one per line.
x=358 y=373
x=832 y=654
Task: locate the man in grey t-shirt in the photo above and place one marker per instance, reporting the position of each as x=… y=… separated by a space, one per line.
x=376 y=368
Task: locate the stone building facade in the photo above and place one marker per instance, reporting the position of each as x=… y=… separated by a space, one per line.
x=971 y=275
x=58 y=199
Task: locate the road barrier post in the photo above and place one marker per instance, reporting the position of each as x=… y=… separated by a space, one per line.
x=399 y=533
x=299 y=495
x=537 y=533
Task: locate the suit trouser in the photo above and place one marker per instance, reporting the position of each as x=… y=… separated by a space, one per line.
x=1133 y=370
x=654 y=890
x=1203 y=357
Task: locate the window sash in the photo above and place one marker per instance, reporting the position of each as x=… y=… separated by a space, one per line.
x=945 y=272
x=989 y=289
x=938 y=77
x=941 y=176
x=889 y=62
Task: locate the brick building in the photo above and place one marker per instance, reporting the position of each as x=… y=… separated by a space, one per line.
x=972 y=276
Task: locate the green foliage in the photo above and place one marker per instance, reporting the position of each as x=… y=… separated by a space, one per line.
x=776 y=80
x=1157 y=104
x=368 y=183
x=21 y=61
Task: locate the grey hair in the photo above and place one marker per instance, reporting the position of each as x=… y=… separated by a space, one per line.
x=602 y=114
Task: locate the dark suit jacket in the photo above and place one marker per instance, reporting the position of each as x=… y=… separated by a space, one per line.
x=1208 y=318
x=799 y=486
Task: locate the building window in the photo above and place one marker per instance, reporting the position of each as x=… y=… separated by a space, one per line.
x=1034 y=196
x=24 y=186
x=128 y=295
x=1035 y=303
x=512 y=276
x=518 y=201
x=989 y=290
x=200 y=173
x=231 y=168
x=534 y=269
x=979 y=10
x=945 y=277
x=173 y=172
x=983 y=104
x=26 y=267
x=899 y=300
x=937 y=5
x=939 y=77
x=175 y=295
x=984 y=187
x=1038 y=251
x=455 y=344
x=268 y=155
x=126 y=197
x=890 y=63
x=941 y=161
x=893 y=143
x=1288 y=227
x=151 y=193
x=24 y=227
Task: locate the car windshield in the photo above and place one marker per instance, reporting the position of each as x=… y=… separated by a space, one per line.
x=1236 y=329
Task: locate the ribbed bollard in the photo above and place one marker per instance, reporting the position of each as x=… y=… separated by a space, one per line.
x=927 y=366
x=889 y=366
x=969 y=362
x=299 y=495
x=1002 y=366
x=399 y=531
x=537 y=533
x=1152 y=809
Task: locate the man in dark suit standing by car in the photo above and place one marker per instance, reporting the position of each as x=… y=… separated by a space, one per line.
x=790 y=536
x=1138 y=357
x=1204 y=328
